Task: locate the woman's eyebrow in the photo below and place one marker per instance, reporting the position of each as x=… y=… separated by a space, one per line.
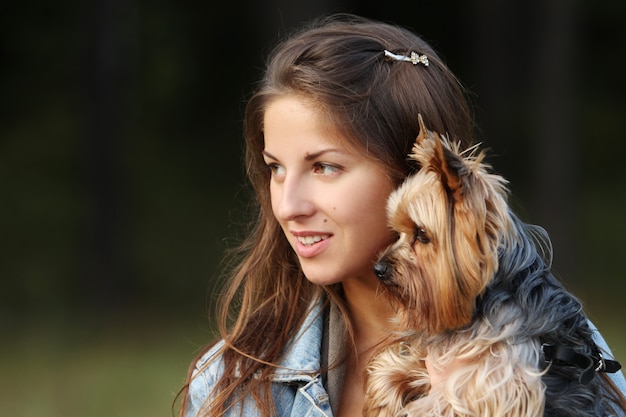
x=269 y=155
x=309 y=156
x=315 y=155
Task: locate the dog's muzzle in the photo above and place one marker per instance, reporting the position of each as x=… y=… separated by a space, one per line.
x=381 y=269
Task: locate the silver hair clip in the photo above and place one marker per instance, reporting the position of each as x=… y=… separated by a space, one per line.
x=415 y=58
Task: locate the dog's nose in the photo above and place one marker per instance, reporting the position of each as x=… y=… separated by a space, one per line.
x=381 y=270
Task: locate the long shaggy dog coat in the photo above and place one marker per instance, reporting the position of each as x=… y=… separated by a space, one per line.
x=489 y=330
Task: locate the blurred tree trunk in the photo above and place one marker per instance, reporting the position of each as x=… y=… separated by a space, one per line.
x=104 y=278
x=555 y=132
x=527 y=80
x=281 y=16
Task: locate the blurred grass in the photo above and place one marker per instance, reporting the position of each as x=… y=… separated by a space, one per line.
x=127 y=367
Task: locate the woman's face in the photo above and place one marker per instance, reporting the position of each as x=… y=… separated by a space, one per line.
x=329 y=198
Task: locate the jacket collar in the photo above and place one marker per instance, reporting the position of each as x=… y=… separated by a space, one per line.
x=302 y=359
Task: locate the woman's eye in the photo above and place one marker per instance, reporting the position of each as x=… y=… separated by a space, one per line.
x=276 y=169
x=325 y=169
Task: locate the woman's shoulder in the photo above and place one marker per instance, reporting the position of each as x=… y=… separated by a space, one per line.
x=302 y=351
x=207 y=371
x=210 y=358
x=616 y=377
x=300 y=362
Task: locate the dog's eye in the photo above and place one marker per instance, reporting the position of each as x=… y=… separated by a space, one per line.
x=420 y=235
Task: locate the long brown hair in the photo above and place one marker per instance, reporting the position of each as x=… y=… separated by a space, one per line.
x=338 y=64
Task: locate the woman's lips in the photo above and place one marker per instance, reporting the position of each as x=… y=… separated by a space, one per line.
x=311 y=244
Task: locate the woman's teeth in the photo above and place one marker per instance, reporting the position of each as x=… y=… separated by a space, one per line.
x=309 y=240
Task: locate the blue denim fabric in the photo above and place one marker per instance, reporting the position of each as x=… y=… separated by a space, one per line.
x=617 y=377
x=297 y=388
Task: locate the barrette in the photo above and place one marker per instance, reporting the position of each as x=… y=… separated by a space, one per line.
x=414 y=58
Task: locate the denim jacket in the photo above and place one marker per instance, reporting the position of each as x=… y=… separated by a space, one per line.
x=298 y=388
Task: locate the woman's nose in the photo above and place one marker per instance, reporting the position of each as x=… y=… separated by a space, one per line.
x=292 y=199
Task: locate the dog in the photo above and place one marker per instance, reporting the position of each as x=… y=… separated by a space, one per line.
x=487 y=328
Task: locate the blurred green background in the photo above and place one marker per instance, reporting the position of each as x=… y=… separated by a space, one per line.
x=121 y=181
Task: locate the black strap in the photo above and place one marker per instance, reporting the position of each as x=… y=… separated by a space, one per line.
x=590 y=364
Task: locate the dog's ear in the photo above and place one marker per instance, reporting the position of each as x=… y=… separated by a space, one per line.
x=424 y=133
x=432 y=151
x=420 y=152
x=451 y=168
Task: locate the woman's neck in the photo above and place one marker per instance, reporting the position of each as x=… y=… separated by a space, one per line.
x=370 y=317
x=370 y=314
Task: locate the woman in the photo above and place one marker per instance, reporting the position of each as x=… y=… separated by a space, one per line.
x=327 y=135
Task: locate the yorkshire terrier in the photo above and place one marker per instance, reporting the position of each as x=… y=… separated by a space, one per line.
x=488 y=331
